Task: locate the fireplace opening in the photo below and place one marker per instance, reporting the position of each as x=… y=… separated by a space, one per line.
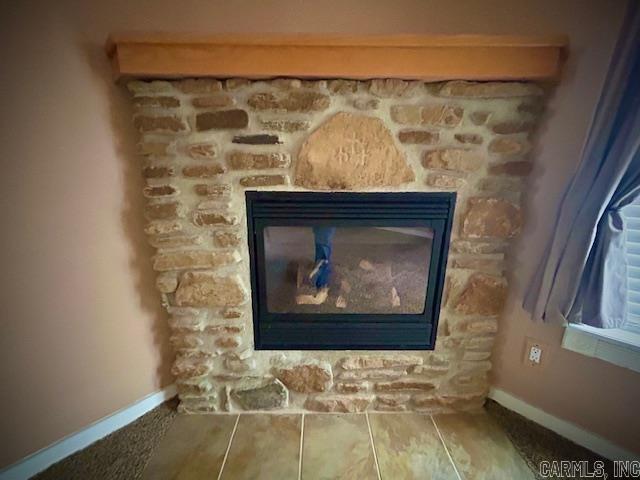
x=341 y=271
x=347 y=269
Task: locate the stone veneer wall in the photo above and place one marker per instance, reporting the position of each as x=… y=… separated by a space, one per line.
x=205 y=141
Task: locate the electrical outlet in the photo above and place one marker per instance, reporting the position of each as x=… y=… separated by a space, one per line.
x=535 y=354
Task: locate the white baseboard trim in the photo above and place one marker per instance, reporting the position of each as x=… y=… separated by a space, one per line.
x=42 y=459
x=576 y=434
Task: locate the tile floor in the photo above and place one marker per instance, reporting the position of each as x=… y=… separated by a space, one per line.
x=336 y=446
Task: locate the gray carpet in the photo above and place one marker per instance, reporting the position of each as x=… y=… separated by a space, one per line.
x=536 y=443
x=124 y=454
x=119 y=456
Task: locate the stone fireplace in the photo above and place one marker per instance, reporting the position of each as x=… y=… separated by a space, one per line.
x=205 y=142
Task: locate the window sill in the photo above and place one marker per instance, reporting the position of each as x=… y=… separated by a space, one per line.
x=614 y=345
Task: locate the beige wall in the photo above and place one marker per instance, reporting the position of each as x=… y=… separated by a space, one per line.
x=591 y=393
x=82 y=331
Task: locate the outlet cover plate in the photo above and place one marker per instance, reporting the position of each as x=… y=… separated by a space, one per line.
x=536 y=353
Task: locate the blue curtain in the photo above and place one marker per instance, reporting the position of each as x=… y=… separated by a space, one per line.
x=582 y=277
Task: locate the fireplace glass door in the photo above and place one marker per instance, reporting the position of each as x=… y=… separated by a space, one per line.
x=347 y=270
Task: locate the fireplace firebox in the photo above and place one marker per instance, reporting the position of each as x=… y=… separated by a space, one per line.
x=336 y=271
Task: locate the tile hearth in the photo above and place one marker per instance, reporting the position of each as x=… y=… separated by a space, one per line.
x=336 y=446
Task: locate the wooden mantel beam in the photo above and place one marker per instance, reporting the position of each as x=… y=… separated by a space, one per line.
x=424 y=57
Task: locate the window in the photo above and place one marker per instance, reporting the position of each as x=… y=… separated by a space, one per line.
x=620 y=346
x=631 y=216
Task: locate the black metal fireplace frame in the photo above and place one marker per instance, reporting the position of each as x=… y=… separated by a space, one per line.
x=289 y=331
